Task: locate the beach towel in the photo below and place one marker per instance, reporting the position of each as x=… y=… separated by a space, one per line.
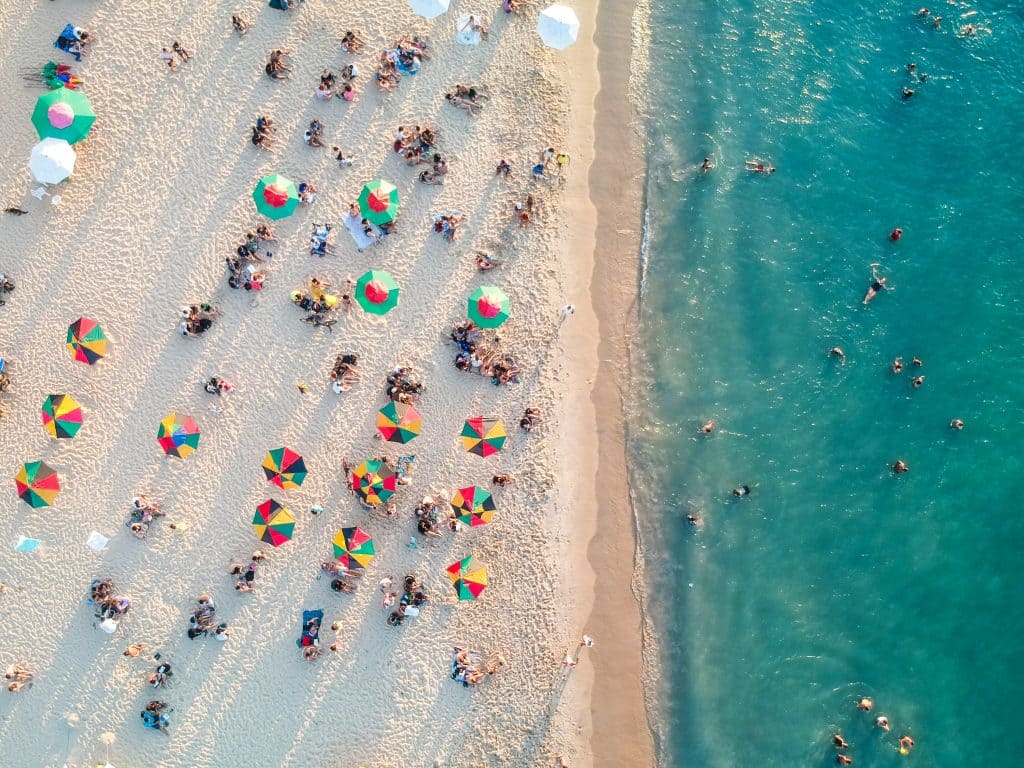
x=281 y=5
x=311 y=621
x=466 y=35
x=355 y=228
x=66 y=39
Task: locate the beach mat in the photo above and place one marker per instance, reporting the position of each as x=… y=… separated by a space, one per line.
x=355 y=228
x=309 y=634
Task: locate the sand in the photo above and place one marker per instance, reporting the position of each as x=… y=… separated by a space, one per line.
x=161 y=194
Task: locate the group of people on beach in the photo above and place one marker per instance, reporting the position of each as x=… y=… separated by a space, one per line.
x=480 y=353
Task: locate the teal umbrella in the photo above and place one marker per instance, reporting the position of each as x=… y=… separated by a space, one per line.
x=63 y=114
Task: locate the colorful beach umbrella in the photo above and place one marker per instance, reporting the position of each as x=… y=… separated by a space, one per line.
x=469 y=582
x=51 y=161
x=558 y=26
x=178 y=435
x=378 y=202
x=276 y=197
x=399 y=422
x=273 y=523
x=428 y=9
x=86 y=341
x=377 y=292
x=62 y=416
x=473 y=506
x=353 y=547
x=37 y=484
x=63 y=114
x=483 y=436
x=488 y=306
x=374 y=482
x=284 y=468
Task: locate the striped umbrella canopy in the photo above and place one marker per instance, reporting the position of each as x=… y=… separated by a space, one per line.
x=37 y=484
x=378 y=202
x=473 y=506
x=399 y=422
x=374 y=482
x=62 y=416
x=86 y=341
x=273 y=523
x=483 y=436
x=353 y=547
x=178 y=435
x=377 y=292
x=276 y=197
x=63 y=114
x=468 y=582
x=488 y=306
x=284 y=468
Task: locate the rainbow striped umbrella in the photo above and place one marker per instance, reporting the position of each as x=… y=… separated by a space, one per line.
x=37 y=484
x=284 y=468
x=273 y=523
x=178 y=435
x=374 y=482
x=483 y=436
x=276 y=197
x=399 y=422
x=473 y=506
x=62 y=416
x=468 y=583
x=377 y=292
x=86 y=341
x=488 y=306
x=353 y=547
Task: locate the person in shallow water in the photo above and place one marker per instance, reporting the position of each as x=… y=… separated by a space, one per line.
x=877 y=285
x=743 y=490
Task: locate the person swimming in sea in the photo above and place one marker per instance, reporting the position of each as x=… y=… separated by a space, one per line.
x=865 y=704
x=877 y=285
x=757 y=165
x=897 y=365
x=707 y=165
x=956 y=424
x=838 y=353
x=743 y=490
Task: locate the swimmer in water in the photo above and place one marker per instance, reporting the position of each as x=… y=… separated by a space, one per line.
x=916 y=361
x=900 y=467
x=922 y=12
x=897 y=233
x=757 y=165
x=866 y=703
x=918 y=382
x=743 y=490
x=707 y=165
x=839 y=742
x=907 y=92
x=708 y=427
x=906 y=744
x=842 y=759
x=838 y=353
x=897 y=365
x=967 y=30
x=695 y=521
x=877 y=285
x=957 y=424
x=882 y=722
x=936 y=21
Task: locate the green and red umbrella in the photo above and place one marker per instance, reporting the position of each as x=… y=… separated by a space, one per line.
x=374 y=482
x=399 y=422
x=377 y=292
x=353 y=547
x=273 y=523
x=483 y=436
x=469 y=582
x=378 y=202
x=86 y=341
x=178 y=435
x=63 y=114
x=473 y=506
x=37 y=484
x=488 y=306
x=276 y=197
x=62 y=416
x=284 y=468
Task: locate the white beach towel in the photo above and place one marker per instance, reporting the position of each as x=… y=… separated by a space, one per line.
x=355 y=228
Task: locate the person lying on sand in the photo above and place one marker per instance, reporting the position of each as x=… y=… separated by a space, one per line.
x=351 y=42
x=240 y=24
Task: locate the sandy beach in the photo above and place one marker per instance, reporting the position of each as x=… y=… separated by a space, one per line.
x=160 y=195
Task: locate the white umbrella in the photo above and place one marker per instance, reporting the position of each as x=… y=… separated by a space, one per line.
x=52 y=161
x=429 y=9
x=558 y=26
x=464 y=32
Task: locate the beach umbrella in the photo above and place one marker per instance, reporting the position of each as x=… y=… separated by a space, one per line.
x=483 y=436
x=558 y=26
x=468 y=582
x=353 y=547
x=51 y=161
x=374 y=482
x=399 y=422
x=378 y=202
x=377 y=292
x=488 y=306
x=37 y=484
x=86 y=341
x=63 y=114
x=178 y=435
x=473 y=506
x=284 y=468
x=62 y=416
x=276 y=197
x=273 y=523
x=429 y=9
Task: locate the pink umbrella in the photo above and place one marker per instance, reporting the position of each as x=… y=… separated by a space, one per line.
x=60 y=115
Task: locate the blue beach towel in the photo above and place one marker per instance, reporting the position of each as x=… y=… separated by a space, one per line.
x=311 y=621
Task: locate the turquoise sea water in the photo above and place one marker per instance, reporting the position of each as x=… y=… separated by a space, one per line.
x=834 y=578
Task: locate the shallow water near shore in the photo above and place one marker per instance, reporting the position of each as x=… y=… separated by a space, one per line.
x=834 y=578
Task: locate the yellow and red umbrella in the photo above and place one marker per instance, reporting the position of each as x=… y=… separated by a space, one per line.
x=399 y=422
x=273 y=523
x=284 y=468
x=483 y=436
x=86 y=341
x=468 y=582
x=353 y=547
x=62 y=416
x=374 y=482
x=37 y=484
x=473 y=506
x=178 y=435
